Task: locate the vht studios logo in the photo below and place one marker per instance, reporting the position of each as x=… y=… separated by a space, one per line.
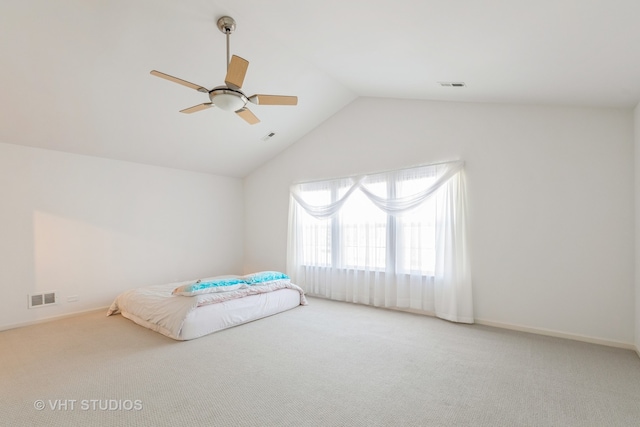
x=88 y=405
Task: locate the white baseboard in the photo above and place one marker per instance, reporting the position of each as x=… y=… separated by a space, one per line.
x=558 y=334
x=521 y=328
x=52 y=318
x=541 y=331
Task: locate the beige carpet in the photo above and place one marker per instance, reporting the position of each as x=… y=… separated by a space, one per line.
x=327 y=364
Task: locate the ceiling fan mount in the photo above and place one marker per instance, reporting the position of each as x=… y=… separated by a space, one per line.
x=230 y=97
x=227 y=24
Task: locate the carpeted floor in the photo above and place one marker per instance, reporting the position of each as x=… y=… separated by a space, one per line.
x=327 y=364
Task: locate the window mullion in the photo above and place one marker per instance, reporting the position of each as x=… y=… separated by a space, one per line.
x=335 y=232
x=391 y=230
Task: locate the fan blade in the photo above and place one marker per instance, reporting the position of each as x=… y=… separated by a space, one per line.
x=179 y=81
x=236 y=72
x=198 y=107
x=248 y=116
x=274 y=100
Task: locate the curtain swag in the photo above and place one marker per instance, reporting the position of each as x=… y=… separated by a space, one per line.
x=389 y=206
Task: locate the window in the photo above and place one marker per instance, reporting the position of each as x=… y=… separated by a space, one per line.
x=361 y=235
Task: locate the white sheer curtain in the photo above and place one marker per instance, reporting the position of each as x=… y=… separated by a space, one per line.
x=396 y=239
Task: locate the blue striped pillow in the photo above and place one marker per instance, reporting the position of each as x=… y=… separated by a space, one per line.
x=209 y=286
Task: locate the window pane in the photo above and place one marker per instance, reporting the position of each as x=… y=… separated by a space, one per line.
x=316 y=233
x=363 y=232
x=416 y=240
x=416 y=229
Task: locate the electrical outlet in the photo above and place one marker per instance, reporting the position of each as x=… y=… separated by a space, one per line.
x=73 y=298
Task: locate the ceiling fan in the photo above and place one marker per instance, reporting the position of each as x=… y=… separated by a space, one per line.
x=229 y=97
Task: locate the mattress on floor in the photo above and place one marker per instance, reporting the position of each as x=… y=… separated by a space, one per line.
x=188 y=317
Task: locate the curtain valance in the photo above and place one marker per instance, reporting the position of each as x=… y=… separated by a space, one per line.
x=390 y=206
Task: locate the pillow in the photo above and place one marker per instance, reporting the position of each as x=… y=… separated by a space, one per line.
x=264 y=276
x=206 y=286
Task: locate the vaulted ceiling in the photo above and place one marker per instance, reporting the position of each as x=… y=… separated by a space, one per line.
x=75 y=75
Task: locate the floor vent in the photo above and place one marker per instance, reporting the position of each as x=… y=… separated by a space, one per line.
x=40 y=300
x=452 y=84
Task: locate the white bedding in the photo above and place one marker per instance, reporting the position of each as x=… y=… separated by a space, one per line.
x=187 y=317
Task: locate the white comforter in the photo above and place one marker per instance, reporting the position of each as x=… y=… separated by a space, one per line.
x=156 y=305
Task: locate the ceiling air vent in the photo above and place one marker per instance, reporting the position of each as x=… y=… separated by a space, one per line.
x=40 y=300
x=268 y=136
x=452 y=84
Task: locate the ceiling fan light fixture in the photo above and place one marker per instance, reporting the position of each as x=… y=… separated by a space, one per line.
x=228 y=101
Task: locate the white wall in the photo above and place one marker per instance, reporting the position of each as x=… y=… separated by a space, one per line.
x=550 y=193
x=637 y=218
x=94 y=227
